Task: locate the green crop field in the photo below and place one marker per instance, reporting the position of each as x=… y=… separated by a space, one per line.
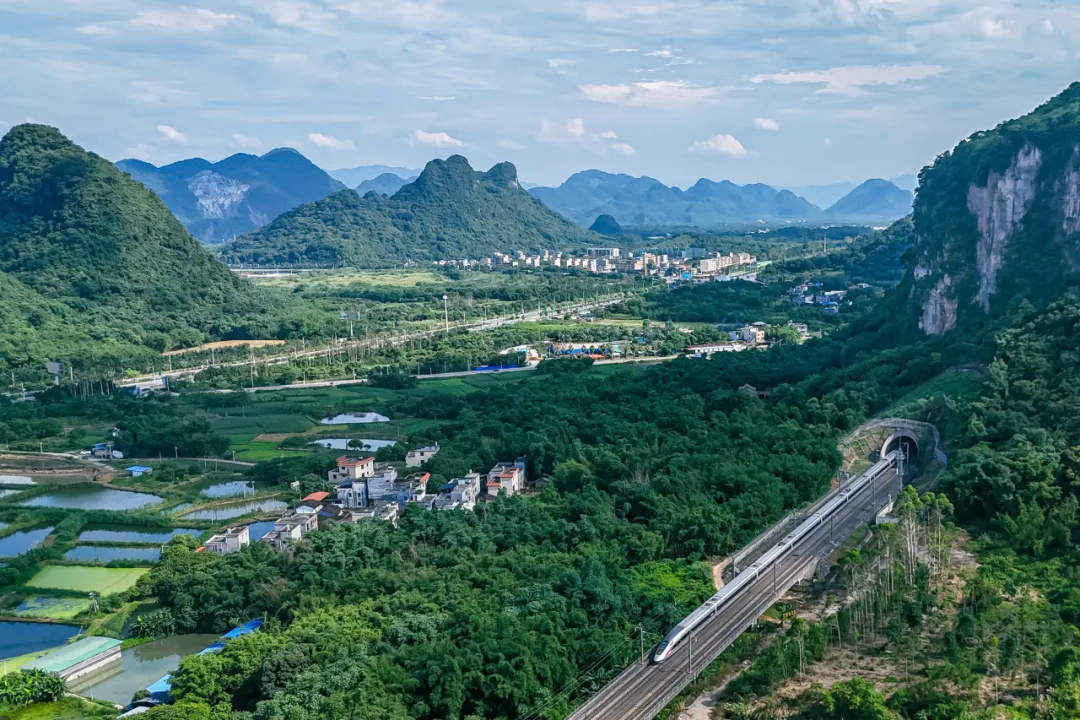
x=85 y=579
x=57 y=608
x=237 y=424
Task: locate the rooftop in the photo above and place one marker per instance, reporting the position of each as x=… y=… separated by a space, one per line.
x=345 y=461
x=316 y=496
x=64 y=657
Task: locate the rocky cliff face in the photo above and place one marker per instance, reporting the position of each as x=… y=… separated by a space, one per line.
x=215 y=194
x=997 y=219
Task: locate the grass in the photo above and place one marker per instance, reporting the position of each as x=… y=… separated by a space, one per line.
x=86 y=579
x=256 y=424
x=57 y=608
x=68 y=708
x=956 y=383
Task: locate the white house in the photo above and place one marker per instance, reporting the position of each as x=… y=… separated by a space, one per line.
x=229 y=541
x=416 y=458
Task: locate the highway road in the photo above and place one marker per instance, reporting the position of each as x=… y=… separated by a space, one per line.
x=643 y=689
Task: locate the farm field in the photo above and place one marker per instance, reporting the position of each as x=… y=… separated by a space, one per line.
x=85 y=578
x=341 y=278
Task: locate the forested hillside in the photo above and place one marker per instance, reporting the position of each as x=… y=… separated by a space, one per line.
x=449 y=211
x=114 y=265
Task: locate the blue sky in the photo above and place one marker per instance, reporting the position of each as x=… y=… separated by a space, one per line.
x=752 y=90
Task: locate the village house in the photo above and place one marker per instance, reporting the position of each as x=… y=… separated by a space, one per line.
x=291 y=527
x=416 y=458
x=460 y=493
x=506 y=479
x=229 y=541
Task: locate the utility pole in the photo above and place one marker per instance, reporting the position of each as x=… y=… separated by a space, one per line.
x=690 y=664
x=446 y=315
x=641 y=630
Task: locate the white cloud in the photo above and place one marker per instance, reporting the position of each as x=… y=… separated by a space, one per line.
x=721 y=144
x=559 y=62
x=437 y=98
x=828 y=141
x=623 y=10
x=407 y=14
x=172 y=134
x=94 y=29
x=560 y=133
x=436 y=139
x=328 y=142
x=159 y=93
x=246 y=141
x=993 y=28
x=659 y=53
x=851 y=79
x=766 y=124
x=653 y=93
x=572 y=132
x=140 y=151
x=182 y=19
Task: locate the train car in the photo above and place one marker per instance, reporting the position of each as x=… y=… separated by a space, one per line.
x=773 y=555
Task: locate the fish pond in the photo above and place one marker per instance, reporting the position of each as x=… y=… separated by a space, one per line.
x=233 y=488
x=139 y=667
x=135 y=536
x=104 y=554
x=20 y=638
x=227 y=512
x=356 y=443
x=354 y=418
x=19 y=542
x=92 y=497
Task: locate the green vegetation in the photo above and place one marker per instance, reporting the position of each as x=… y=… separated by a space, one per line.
x=86 y=578
x=68 y=708
x=449 y=211
x=32 y=686
x=80 y=239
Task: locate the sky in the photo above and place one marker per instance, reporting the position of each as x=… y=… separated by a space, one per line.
x=777 y=91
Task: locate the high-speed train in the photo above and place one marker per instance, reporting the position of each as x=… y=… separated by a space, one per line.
x=681 y=631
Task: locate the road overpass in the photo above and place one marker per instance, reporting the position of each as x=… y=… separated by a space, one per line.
x=644 y=688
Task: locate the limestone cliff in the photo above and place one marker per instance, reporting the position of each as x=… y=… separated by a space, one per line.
x=997 y=219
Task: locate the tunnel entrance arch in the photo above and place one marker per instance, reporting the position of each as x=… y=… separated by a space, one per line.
x=902 y=439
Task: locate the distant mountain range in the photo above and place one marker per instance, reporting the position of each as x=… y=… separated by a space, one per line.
x=647 y=202
x=448 y=211
x=352 y=177
x=873 y=201
x=385 y=184
x=219 y=201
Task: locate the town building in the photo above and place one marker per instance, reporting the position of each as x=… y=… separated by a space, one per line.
x=140 y=470
x=350 y=468
x=229 y=541
x=419 y=456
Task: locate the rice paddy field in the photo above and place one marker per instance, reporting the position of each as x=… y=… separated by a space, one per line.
x=86 y=578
